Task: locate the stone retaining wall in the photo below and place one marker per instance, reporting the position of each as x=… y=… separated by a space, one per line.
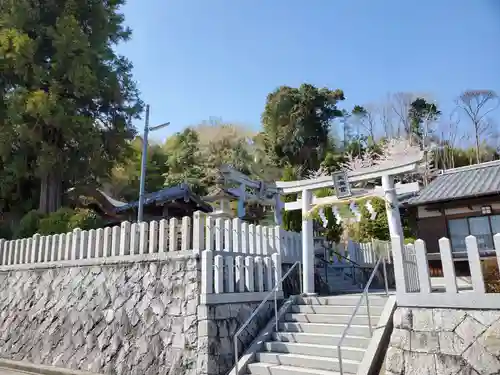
x=122 y=318
x=217 y=326
x=444 y=341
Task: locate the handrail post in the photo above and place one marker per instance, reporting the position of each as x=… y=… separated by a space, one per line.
x=368 y=312
x=339 y=350
x=235 y=341
x=386 y=283
x=276 y=308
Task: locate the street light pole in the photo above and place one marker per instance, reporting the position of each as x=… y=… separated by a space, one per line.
x=143 y=166
x=147 y=129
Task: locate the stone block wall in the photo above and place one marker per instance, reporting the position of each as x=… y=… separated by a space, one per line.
x=122 y=317
x=444 y=341
x=217 y=326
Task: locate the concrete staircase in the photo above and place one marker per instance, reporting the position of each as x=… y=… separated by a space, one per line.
x=307 y=340
x=337 y=280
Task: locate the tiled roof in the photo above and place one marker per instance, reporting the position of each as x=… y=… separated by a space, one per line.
x=169 y=194
x=459 y=183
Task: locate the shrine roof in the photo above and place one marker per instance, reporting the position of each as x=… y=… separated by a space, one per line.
x=461 y=183
x=181 y=191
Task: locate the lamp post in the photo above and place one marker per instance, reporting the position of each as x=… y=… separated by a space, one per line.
x=147 y=129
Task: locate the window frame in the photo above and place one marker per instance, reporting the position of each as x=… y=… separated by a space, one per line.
x=466 y=218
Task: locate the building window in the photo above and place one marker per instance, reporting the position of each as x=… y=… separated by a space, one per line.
x=482 y=227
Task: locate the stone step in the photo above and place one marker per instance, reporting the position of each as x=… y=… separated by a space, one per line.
x=327 y=351
x=272 y=369
x=331 y=318
x=322 y=339
x=343 y=300
x=307 y=361
x=332 y=329
x=342 y=310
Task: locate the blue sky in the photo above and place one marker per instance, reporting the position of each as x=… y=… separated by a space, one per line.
x=196 y=59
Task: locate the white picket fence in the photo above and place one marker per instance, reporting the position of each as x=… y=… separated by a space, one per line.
x=229 y=276
x=364 y=254
x=413 y=282
x=199 y=233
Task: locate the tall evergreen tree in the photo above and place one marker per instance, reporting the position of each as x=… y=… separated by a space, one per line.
x=66 y=96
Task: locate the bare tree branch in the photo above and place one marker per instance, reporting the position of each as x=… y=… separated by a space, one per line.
x=477 y=104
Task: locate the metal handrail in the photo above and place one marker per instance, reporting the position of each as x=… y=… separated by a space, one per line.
x=365 y=295
x=344 y=257
x=247 y=322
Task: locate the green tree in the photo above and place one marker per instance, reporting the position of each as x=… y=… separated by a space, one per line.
x=421 y=113
x=377 y=228
x=296 y=124
x=184 y=162
x=67 y=97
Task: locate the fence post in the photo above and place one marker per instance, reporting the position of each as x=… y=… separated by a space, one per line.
x=99 y=238
x=219 y=237
x=258 y=240
x=60 y=249
x=84 y=241
x=207 y=266
x=185 y=233
x=249 y=279
x=268 y=268
x=172 y=237
x=143 y=237
x=265 y=240
x=244 y=237
x=162 y=235
x=29 y=247
x=240 y=274
x=476 y=273
x=397 y=253
x=450 y=280
x=219 y=274
x=422 y=267
x=236 y=235
x=126 y=233
x=209 y=233
x=115 y=241
x=34 y=248
x=153 y=237
x=251 y=239
x=198 y=232
x=259 y=273
x=91 y=244
x=75 y=245
x=228 y=235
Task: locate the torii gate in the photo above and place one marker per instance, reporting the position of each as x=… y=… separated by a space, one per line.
x=398 y=157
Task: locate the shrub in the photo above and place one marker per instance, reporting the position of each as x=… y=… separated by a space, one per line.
x=491 y=276
x=29 y=224
x=56 y=222
x=85 y=219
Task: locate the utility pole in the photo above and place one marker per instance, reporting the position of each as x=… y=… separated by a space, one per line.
x=144 y=159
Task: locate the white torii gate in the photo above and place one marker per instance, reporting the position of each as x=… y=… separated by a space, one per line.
x=398 y=157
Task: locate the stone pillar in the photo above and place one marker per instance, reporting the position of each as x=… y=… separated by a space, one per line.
x=392 y=207
x=307 y=245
